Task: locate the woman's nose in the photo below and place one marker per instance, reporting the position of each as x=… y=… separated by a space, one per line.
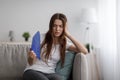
x=57 y=28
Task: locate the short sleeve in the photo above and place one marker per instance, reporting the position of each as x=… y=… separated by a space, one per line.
x=68 y=44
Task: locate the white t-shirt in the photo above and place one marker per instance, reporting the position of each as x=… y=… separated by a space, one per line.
x=49 y=67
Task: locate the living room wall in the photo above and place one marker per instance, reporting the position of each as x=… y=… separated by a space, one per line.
x=34 y=15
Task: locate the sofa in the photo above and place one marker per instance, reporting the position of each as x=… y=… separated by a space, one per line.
x=13 y=59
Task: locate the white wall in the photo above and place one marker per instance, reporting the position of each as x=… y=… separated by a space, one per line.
x=33 y=15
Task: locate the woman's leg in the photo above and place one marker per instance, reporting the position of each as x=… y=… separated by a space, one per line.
x=34 y=75
x=54 y=76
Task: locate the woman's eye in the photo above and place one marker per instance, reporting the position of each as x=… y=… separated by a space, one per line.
x=55 y=26
x=61 y=26
x=58 y=26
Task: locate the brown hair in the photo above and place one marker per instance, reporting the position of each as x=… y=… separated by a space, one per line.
x=48 y=41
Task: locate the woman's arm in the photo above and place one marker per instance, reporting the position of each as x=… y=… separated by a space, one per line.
x=77 y=47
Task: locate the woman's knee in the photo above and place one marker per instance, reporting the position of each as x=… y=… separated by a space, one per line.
x=34 y=75
x=54 y=77
x=27 y=75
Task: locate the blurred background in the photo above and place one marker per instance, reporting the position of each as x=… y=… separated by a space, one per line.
x=101 y=30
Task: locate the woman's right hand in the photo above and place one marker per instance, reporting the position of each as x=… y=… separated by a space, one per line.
x=31 y=57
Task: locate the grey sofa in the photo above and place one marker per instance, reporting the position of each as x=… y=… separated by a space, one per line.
x=13 y=59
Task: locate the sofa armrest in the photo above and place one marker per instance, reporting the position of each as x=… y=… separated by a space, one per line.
x=80 y=67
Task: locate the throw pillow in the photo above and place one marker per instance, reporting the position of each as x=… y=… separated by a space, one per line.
x=65 y=71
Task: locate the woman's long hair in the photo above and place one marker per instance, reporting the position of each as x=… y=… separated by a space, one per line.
x=48 y=41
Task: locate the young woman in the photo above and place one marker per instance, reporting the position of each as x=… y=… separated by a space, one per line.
x=53 y=47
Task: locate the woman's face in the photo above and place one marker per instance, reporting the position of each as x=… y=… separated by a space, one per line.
x=57 y=28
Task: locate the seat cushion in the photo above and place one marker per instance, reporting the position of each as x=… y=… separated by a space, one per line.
x=65 y=71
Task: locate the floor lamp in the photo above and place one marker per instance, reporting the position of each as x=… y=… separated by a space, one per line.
x=88 y=17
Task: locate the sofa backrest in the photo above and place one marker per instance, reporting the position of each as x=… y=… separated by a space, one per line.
x=12 y=60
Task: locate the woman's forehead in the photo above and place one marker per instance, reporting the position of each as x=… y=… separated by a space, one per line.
x=58 y=21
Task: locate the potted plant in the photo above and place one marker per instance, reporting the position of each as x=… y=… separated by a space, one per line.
x=26 y=35
x=88 y=47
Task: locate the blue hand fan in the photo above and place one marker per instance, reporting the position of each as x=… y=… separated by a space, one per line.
x=36 y=44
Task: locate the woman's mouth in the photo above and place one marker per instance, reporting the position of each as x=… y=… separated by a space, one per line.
x=57 y=33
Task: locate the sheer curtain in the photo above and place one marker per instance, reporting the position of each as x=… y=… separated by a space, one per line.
x=107 y=39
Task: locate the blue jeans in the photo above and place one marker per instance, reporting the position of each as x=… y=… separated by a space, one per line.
x=37 y=75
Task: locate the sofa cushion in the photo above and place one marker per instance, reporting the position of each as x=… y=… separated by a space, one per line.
x=65 y=71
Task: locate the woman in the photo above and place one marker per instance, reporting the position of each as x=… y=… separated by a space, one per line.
x=53 y=49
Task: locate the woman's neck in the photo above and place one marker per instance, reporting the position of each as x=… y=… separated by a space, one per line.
x=56 y=41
